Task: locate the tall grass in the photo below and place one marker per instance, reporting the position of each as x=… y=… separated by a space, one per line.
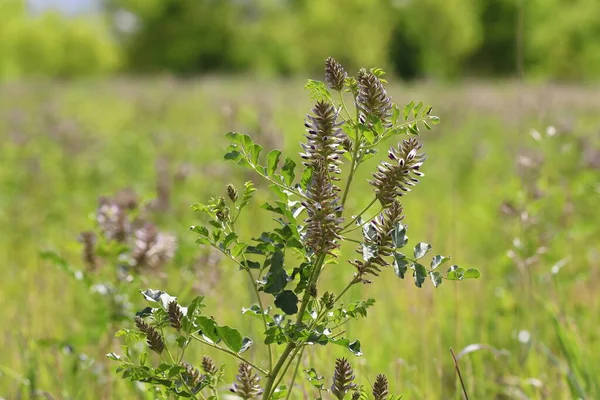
x=63 y=146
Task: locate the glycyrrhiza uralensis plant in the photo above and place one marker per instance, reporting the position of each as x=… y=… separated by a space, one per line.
x=284 y=264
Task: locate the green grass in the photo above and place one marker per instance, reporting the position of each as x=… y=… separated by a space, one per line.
x=64 y=145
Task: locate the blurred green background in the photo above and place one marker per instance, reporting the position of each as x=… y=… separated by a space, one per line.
x=100 y=96
x=557 y=39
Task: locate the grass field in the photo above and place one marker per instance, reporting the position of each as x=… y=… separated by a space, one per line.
x=536 y=314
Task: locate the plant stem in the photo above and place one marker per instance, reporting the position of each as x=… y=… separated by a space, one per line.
x=360 y=214
x=295 y=373
x=344 y=105
x=231 y=353
x=357 y=145
x=273 y=374
x=273 y=181
x=462 y=384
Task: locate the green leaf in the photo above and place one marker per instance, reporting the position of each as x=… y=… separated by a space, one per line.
x=436 y=278
x=395 y=114
x=315 y=379
x=287 y=171
x=158 y=296
x=208 y=327
x=277 y=276
x=317 y=90
x=249 y=190
x=407 y=109
x=246 y=343
x=273 y=161
x=247 y=142
x=367 y=133
x=400 y=265
x=434 y=120
x=455 y=273
x=201 y=230
x=420 y=274
x=251 y=264
x=306 y=177
x=279 y=393
x=235 y=137
x=114 y=357
x=369 y=251
x=421 y=249
x=231 y=337
x=287 y=301
x=416 y=109
x=399 y=237
x=238 y=249
x=471 y=273
x=255 y=151
x=233 y=155
x=354 y=347
x=230 y=238
x=438 y=260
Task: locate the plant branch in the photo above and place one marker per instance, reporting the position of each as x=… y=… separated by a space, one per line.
x=231 y=353
x=357 y=145
x=360 y=214
x=273 y=181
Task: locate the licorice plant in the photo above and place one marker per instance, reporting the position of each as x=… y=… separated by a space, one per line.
x=284 y=265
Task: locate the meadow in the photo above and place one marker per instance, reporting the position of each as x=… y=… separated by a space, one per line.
x=511 y=187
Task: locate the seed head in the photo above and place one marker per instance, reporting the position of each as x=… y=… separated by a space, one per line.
x=232 y=193
x=392 y=179
x=335 y=74
x=372 y=98
x=208 y=365
x=247 y=386
x=323 y=224
x=155 y=341
x=384 y=224
x=192 y=377
x=325 y=138
x=380 y=387
x=327 y=300
x=175 y=315
x=342 y=378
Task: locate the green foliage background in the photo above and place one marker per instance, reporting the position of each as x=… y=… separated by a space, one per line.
x=414 y=39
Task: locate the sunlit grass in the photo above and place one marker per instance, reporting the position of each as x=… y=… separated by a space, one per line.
x=63 y=146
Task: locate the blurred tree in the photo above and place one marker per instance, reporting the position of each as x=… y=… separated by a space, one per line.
x=183 y=36
x=52 y=45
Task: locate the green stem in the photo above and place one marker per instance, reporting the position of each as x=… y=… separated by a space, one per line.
x=231 y=353
x=363 y=224
x=299 y=350
x=273 y=374
x=353 y=166
x=273 y=181
x=295 y=374
x=360 y=214
x=255 y=289
x=344 y=106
